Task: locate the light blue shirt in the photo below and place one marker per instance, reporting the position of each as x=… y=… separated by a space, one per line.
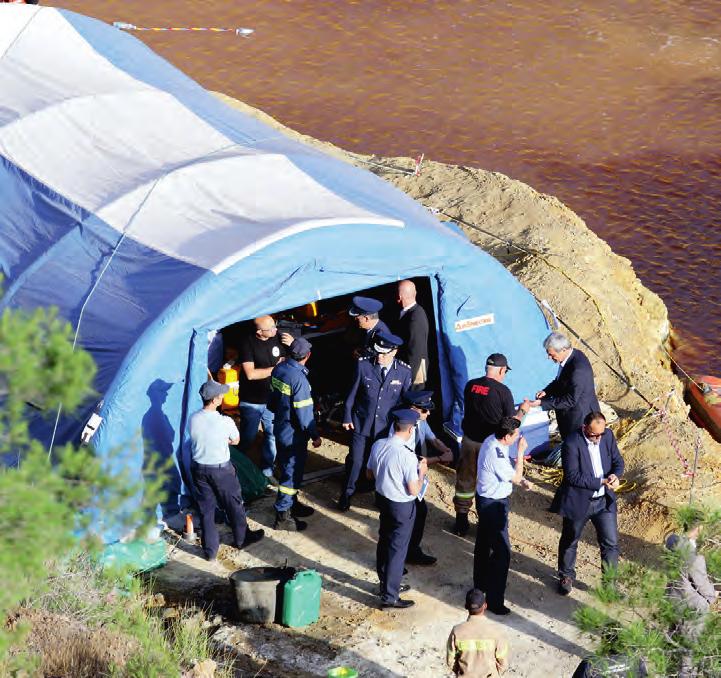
x=394 y=465
x=421 y=429
x=494 y=470
x=594 y=451
x=210 y=433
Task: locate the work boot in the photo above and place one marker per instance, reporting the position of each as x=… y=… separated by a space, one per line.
x=344 y=503
x=285 y=521
x=500 y=610
x=251 y=537
x=565 y=585
x=401 y=604
x=420 y=558
x=461 y=527
x=300 y=510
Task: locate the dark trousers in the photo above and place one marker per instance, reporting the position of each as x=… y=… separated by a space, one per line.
x=419 y=524
x=602 y=513
x=360 y=447
x=394 y=535
x=291 y=461
x=217 y=486
x=492 y=555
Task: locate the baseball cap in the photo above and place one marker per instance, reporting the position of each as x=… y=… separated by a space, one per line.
x=212 y=389
x=300 y=348
x=498 y=360
x=475 y=599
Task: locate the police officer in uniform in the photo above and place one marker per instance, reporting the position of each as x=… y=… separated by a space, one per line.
x=378 y=386
x=365 y=311
x=496 y=477
x=399 y=478
x=216 y=482
x=292 y=405
x=425 y=444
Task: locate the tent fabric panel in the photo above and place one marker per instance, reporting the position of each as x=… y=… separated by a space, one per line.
x=294 y=272
x=130 y=55
x=228 y=206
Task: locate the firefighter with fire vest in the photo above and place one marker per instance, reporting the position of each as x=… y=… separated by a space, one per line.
x=292 y=404
x=487 y=400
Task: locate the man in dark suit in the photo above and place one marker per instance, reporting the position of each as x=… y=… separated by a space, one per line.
x=592 y=467
x=572 y=393
x=412 y=327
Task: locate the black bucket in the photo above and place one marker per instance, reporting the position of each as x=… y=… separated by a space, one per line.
x=259 y=593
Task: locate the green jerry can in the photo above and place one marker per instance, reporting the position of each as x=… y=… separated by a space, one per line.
x=301 y=599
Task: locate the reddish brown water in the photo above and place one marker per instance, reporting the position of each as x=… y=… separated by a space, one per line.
x=612 y=106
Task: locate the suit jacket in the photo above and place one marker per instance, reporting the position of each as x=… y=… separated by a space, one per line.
x=579 y=480
x=572 y=394
x=370 y=400
x=412 y=327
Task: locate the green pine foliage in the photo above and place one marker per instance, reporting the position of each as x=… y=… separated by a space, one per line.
x=49 y=506
x=634 y=617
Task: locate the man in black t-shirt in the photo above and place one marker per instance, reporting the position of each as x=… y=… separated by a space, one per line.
x=259 y=353
x=486 y=401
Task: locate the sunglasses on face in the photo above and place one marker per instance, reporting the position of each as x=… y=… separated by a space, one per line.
x=593 y=436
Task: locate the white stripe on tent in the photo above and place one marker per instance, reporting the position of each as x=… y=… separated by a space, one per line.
x=215 y=211
x=141 y=161
x=299 y=228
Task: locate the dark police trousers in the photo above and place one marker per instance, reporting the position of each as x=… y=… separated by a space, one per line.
x=492 y=555
x=217 y=486
x=394 y=535
x=603 y=518
x=419 y=524
x=360 y=447
x=291 y=460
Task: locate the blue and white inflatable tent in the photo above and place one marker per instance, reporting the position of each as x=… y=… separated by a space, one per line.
x=149 y=213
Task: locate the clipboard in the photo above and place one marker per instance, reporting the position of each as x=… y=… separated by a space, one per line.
x=424 y=487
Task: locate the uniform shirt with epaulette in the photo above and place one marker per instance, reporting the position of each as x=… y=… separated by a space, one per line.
x=477 y=648
x=371 y=397
x=494 y=470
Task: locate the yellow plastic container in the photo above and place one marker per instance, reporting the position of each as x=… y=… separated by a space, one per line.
x=228 y=374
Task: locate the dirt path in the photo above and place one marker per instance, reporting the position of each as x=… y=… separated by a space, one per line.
x=353 y=630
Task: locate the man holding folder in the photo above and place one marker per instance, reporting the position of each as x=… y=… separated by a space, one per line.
x=495 y=480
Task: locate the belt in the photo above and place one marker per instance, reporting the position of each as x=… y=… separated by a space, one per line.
x=225 y=464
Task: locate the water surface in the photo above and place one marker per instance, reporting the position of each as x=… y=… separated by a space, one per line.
x=611 y=106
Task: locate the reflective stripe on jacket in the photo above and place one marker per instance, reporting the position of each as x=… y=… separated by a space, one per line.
x=476 y=648
x=291 y=402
